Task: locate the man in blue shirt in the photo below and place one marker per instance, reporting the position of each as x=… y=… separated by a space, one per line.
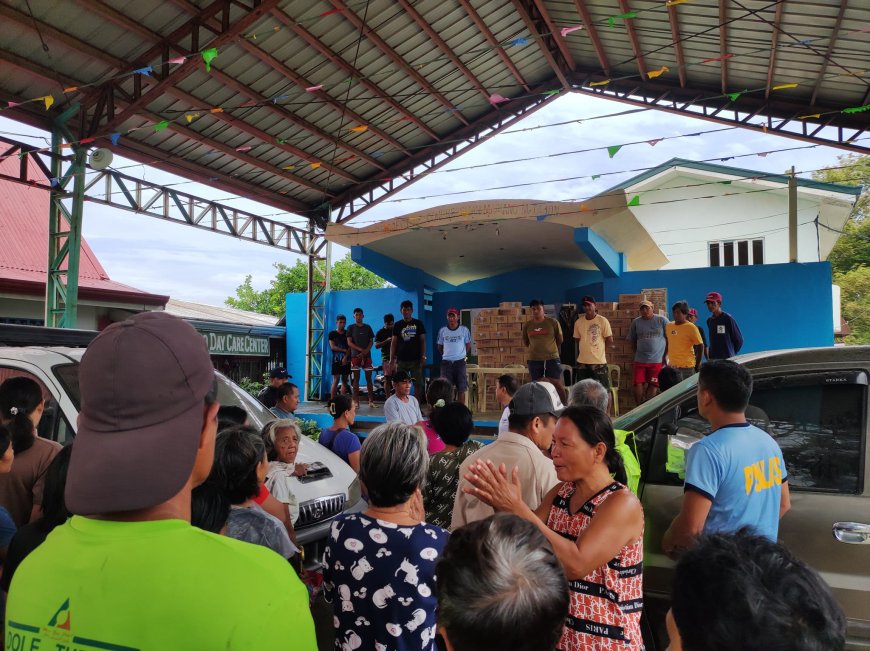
x=454 y=345
x=736 y=476
x=726 y=340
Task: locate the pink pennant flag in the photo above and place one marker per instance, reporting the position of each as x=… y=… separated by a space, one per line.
x=244 y=148
x=567 y=30
x=85 y=141
x=763 y=154
x=311 y=89
x=251 y=103
x=722 y=58
x=177 y=60
x=497 y=99
x=13 y=104
x=654 y=141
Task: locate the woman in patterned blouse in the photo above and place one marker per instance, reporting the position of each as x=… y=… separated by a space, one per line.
x=595 y=525
x=454 y=425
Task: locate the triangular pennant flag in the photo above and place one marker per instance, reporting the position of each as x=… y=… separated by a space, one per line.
x=160 y=126
x=85 y=141
x=763 y=154
x=726 y=158
x=147 y=70
x=555 y=91
x=518 y=42
x=244 y=148
x=49 y=100
x=725 y=182
x=856 y=109
x=541 y=218
x=654 y=141
x=12 y=104
x=671 y=3
x=611 y=151
x=360 y=128
x=115 y=137
x=329 y=13
x=600 y=83
x=635 y=200
x=208 y=56
x=497 y=99
x=253 y=102
x=350 y=81
x=289 y=167
x=311 y=89
x=733 y=96
x=190 y=117
x=52 y=182
x=216 y=109
x=22 y=155
x=652 y=74
x=65 y=145
x=280 y=141
x=279 y=98
x=71 y=89
x=811 y=115
x=596 y=176
x=629 y=14
x=721 y=58
x=314 y=166
x=377 y=154
x=784 y=86
x=567 y=30
x=177 y=60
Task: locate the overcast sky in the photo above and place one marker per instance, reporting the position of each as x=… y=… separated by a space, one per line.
x=190 y=264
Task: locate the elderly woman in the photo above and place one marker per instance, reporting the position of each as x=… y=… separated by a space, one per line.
x=21 y=406
x=380 y=564
x=453 y=424
x=593 y=522
x=282 y=445
x=240 y=467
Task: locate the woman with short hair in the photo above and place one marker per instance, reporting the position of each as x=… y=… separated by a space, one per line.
x=595 y=525
x=240 y=467
x=380 y=564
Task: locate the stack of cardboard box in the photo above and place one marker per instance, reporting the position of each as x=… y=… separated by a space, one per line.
x=498 y=339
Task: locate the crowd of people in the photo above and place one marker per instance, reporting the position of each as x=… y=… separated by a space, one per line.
x=169 y=522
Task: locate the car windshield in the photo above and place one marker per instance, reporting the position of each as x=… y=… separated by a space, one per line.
x=228 y=393
x=654 y=405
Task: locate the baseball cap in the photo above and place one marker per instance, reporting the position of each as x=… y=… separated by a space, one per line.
x=401 y=376
x=536 y=398
x=713 y=296
x=693 y=312
x=452 y=310
x=646 y=304
x=587 y=299
x=143 y=382
x=279 y=373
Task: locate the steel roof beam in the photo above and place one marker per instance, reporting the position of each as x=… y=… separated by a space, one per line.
x=339 y=62
x=391 y=54
x=537 y=33
x=829 y=51
x=723 y=44
x=446 y=50
x=354 y=201
x=555 y=34
x=674 y=21
x=774 y=41
x=632 y=38
x=589 y=26
x=494 y=43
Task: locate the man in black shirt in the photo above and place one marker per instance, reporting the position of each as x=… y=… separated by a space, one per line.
x=360 y=339
x=269 y=395
x=408 y=348
x=340 y=356
x=383 y=341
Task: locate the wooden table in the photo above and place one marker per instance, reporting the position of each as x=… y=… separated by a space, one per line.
x=480 y=373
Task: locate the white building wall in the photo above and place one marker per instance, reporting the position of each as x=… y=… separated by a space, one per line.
x=89 y=313
x=683 y=229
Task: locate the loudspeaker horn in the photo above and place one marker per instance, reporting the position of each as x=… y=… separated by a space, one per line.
x=100 y=158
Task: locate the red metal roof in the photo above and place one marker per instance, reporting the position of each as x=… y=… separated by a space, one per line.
x=24 y=246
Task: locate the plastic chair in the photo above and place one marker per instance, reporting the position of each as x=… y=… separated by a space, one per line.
x=567 y=375
x=613 y=374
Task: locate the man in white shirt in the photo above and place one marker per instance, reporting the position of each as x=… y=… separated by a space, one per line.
x=534 y=411
x=505 y=388
x=454 y=345
x=402 y=406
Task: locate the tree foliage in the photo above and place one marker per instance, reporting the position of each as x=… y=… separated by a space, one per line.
x=850 y=257
x=345 y=274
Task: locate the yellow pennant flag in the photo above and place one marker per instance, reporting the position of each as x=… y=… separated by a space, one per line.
x=289 y=167
x=190 y=117
x=671 y=3
x=600 y=83
x=314 y=166
x=811 y=115
x=652 y=74
x=784 y=86
x=49 y=100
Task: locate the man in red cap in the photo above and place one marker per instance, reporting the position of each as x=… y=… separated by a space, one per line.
x=454 y=346
x=128 y=571
x=726 y=340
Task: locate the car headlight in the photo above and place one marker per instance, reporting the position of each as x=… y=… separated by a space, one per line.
x=354 y=492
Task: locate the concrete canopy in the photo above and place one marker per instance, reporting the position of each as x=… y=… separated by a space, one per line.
x=467 y=241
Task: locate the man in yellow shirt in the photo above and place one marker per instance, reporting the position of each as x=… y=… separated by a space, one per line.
x=685 y=346
x=594 y=336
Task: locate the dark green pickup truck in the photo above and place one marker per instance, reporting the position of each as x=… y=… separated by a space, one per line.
x=814 y=402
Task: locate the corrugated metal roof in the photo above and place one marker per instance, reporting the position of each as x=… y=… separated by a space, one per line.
x=221 y=314
x=24 y=236
x=418 y=74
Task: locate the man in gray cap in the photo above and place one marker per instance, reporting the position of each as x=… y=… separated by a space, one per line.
x=128 y=571
x=532 y=421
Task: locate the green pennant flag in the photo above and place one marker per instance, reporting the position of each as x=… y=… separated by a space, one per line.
x=733 y=96
x=611 y=151
x=160 y=126
x=635 y=201
x=725 y=182
x=857 y=109
x=553 y=92
x=612 y=20
x=208 y=56
x=596 y=176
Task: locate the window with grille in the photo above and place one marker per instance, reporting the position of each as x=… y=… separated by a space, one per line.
x=732 y=253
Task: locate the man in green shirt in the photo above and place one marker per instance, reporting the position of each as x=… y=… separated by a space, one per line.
x=128 y=571
x=543 y=337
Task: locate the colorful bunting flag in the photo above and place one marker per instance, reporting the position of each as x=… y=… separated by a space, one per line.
x=311 y=89
x=495 y=99
x=289 y=167
x=734 y=96
x=635 y=200
x=596 y=176
x=722 y=58
x=330 y=12
x=190 y=117
x=177 y=60
x=360 y=128
x=541 y=218
x=115 y=137
x=49 y=100
x=567 y=30
x=555 y=91
x=518 y=42
x=12 y=104
x=811 y=115
x=600 y=83
x=314 y=166
x=208 y=56
x=652 y=74
x=654 y=141
x=52 y=182
x=147 y=70
x=279 y=98
x=856 y=109
x=784 y=86
x=280 y=141
x=629 y=14
x=763 y=154
x=160 y=126
x=671 y=3
x=377 y=154
x=611 y=151
x=244 y=148
x=85 y=141
x=216 y=109
x=71 y=89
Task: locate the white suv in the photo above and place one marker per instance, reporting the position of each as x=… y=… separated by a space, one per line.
x=56 y=369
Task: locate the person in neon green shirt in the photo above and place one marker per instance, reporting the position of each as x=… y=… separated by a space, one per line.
x=128 y=571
